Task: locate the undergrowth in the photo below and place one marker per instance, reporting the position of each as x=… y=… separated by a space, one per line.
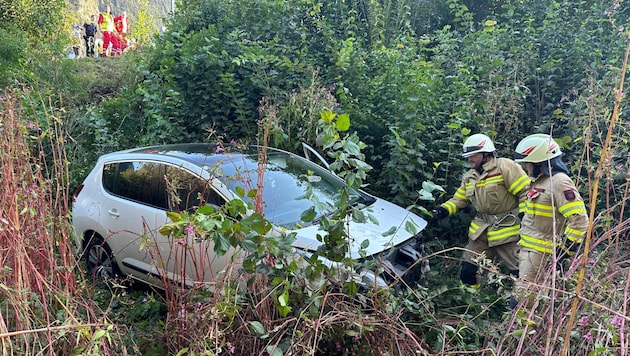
x=48 y=307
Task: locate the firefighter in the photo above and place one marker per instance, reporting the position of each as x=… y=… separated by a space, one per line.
x=497 y=189
x=552 y=197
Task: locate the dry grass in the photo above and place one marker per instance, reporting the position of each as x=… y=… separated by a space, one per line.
x=42 y=311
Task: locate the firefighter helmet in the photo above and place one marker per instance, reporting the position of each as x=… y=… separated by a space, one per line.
x=536 y=148
x=477 y=143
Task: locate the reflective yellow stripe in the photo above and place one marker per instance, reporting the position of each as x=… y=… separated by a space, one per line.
x=574 y=235
x=473 y=227
x=461 y=194
x=572 y=208
x=519 y=184
x=491 y=180
x=450 y=207
x=539 y=209
x=504 y=233
x=537 y=244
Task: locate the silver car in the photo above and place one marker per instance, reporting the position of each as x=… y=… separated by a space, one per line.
x=118 y=210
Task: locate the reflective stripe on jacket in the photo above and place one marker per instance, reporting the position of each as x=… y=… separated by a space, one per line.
x=548 y=197
x=497 y=193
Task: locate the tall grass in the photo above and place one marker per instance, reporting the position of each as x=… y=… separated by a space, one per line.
x=42 y=309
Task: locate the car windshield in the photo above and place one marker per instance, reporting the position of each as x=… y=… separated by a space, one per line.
x=287 y=179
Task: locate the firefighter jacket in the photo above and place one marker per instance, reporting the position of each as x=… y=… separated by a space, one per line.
x=498 y=194
x=552 y=198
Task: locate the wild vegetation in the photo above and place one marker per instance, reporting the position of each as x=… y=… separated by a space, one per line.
x=386 y=89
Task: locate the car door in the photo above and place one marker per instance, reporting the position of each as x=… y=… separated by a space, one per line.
x=133 y=212
x=189 y=258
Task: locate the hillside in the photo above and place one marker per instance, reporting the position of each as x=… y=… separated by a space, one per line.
x=157 y=9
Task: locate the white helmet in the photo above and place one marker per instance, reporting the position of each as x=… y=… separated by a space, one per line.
x=536 y=148
x=477 y=143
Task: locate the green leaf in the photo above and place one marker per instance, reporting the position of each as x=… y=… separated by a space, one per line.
x=206 y=210
x=174 y=216
x=424 y=195
x=343 y=122
x=248 y=245
x=221 y=244
x=389 y=232
x=99 y=334
x=283 y=299
x=257 y=328
x=327 y=116
x=273 y=350
x=166 y=230
x=411 y=227
x=308 y=215
x=182 y=352
x=430 y=186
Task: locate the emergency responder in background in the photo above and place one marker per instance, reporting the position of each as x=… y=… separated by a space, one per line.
x=121 y=24
x=106 y=26
x=552 y=197
x=496 y=187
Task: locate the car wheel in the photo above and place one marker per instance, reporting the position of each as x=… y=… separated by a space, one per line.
x=99 y=260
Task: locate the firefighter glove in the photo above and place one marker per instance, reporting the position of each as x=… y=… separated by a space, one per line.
x=438 y=214
x=563 y=252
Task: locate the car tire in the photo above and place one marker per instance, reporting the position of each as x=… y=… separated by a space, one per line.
x=99 y=260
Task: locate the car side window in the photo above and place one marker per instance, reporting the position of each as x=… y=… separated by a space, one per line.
x=142 y=182
x=190 y=191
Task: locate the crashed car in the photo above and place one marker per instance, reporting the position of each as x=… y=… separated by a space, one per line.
x=118 y=210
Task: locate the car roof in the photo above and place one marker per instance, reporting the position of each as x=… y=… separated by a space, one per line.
x=200 y=154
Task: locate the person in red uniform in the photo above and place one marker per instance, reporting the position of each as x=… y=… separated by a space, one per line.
x=106 y=26
x=121 y=24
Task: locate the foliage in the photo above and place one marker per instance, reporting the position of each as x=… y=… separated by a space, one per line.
x=142 y=28
x=42 y=300
x=13 y=53
x=416 y=77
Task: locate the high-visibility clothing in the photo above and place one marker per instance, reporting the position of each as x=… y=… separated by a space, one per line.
x=106 y=21
x=498 y=194
x=552 y=198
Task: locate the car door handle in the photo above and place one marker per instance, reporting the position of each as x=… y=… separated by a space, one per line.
x=113 y=212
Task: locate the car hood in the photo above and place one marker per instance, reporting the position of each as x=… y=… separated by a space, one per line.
x=391 y=218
